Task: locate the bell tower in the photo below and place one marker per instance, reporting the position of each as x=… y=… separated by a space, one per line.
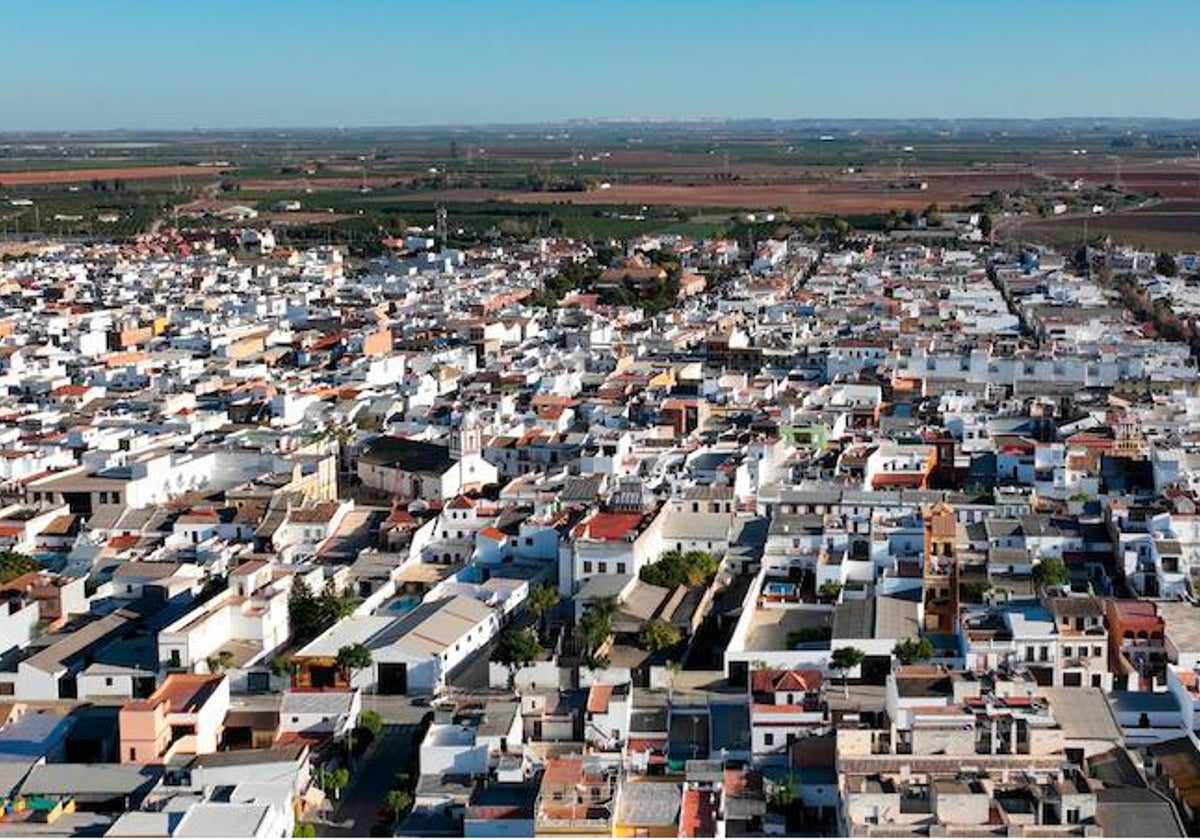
x=467 y=439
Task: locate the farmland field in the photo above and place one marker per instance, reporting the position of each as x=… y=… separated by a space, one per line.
x=1169 y=225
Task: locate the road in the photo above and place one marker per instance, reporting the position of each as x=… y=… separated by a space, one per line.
x=359 y=807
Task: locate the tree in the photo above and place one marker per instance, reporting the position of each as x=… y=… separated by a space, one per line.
x=659 y=634
x=516 y=649
x=311 y=615
x=596 y=626
x=220 y=662
x=371 y=721
x=676 y=568
x=909 y=651
x=304 y=830
x=541 y=600
x=784 y=796
x=1050 y=572
x=397 y=801
x=13 y=564
x=334 y=780
x=281 y=666
x=844 y=660
x=212 y=587
x=1165 y=265
x=830 y=590
x=352 y=658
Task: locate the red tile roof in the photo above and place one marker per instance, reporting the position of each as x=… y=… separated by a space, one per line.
x=598 y=698
x=608 y=526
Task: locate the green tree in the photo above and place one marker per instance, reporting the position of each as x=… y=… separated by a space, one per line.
x=1050 y=572
x=541 y=600
x=830 y=590
x=844 y=660
x=333 y=781
x=219 y=662
x=909 y=651
x=398 y=802
x=371 y=722
x=13 y=564
x=676 y=568
x=311 y=615
x=783 y=797
x=659 y=635
x=213 y=586
x=515 y=649
x=352 y=658
x=596 y=626
x=304 y=829
x=1165 y=265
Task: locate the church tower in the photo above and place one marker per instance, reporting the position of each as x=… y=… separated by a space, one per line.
x=467 y=439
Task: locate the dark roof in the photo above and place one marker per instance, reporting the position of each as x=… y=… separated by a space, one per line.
x=413 y=456
x=237 y=758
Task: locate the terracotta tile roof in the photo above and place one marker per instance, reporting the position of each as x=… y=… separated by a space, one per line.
x=598 y=698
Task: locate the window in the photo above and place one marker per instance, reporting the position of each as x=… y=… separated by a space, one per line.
x=108 y=681
x=587 y=567
x=769 y=739
x=133 y=753
x=603 y=568
x=116 y=498
x=620 y=568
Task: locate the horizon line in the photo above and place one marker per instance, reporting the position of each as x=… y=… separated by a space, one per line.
x=575 y=121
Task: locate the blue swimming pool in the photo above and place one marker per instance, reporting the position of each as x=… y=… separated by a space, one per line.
x=783 y=590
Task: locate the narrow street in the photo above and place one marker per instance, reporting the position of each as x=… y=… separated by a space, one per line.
x=358 y=810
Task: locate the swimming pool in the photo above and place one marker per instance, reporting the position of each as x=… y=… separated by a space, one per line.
x=781 y=590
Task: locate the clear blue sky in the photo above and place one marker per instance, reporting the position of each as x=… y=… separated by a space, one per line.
x=73 y=64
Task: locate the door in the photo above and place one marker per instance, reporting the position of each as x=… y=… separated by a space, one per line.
x=393 y=678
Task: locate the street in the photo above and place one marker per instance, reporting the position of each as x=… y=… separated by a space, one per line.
x=361 y=802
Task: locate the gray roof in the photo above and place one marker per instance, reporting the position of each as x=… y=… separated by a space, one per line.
x=91 y=779
x=52 y=658
x=645 y=803
x=317 y=703
x=222 y=819
x=1136 y=812
x=498 y=718
x=146 y=824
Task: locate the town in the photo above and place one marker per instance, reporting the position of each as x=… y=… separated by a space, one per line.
x=859 y=533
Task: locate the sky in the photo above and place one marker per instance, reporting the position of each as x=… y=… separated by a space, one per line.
x=178 y=64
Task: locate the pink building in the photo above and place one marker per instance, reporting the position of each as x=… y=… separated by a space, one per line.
x=184 y=716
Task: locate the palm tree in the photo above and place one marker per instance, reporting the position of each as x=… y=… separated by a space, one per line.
x=541 y=600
